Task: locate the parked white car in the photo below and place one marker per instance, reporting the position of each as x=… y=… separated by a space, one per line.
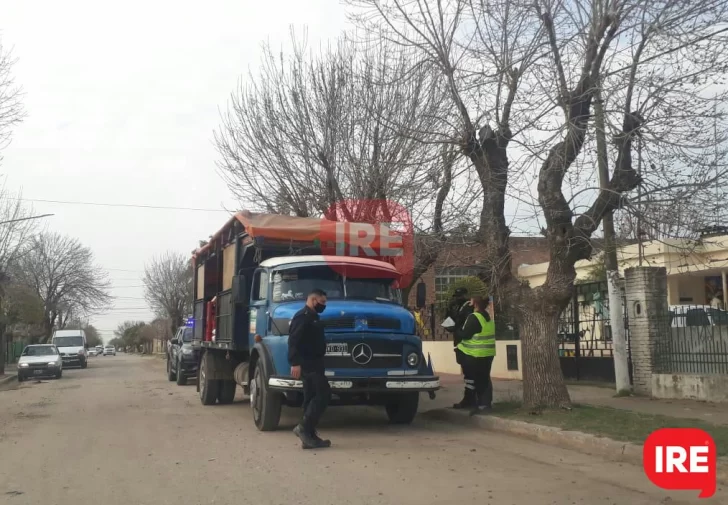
x=697 y=315
x=41 y=360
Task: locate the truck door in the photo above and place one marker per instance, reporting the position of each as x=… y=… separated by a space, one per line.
x=258 y=315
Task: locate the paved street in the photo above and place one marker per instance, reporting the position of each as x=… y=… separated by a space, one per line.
x=120 y=433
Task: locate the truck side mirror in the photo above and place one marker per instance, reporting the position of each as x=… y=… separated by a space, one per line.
x=421 y=295
x=240 y=295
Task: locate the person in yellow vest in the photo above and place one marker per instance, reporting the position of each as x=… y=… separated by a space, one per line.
x=476 y=350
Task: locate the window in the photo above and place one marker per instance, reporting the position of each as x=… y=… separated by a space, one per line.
x=446 y=276
x=260 y=286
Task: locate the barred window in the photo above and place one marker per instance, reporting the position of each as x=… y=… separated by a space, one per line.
x=446 y=276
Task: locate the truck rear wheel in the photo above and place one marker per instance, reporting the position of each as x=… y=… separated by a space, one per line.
x=265 y=403
x=209 y=388
x=403 y=409
x=227 y=392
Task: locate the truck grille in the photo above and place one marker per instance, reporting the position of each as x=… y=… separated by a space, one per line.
x=390 y=355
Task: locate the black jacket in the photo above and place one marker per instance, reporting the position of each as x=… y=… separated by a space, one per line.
x=306 y=341
x=458 y=310
x=470 y=328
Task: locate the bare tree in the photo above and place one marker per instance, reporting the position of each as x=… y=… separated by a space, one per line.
x=523 y=77
x=168 y=287
x=313 y=133
x=63 y=274
x=11 y=107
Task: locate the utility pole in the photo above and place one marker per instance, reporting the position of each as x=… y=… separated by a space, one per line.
x=616 y=309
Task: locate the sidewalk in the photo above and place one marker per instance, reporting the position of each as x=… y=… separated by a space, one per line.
x=10 y=373
x=511 y=391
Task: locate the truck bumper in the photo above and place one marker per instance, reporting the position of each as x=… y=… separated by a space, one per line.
x=364 y=384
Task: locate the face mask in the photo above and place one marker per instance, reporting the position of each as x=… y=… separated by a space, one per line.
x=319 y=307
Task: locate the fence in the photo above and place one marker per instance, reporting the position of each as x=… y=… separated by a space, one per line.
x=693 y=340
x=584 y=333
x=13 y=349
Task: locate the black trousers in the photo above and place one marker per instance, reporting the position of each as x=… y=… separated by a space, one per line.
x=316 y=397
x=478 y=386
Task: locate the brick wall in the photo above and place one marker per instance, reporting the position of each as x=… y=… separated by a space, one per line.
x=524 y=250
x=646 y=289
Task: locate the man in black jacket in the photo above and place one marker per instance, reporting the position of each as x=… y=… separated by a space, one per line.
x=306 y=350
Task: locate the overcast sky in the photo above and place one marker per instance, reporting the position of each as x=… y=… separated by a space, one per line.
x=122 y=99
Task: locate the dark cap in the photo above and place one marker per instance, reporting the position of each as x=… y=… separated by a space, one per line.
x=461 y=292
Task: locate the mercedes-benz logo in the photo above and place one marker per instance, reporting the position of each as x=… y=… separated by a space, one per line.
x=361 y=354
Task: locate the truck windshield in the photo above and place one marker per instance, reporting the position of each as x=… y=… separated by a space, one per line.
x=297 y=283
x=68 y=341
x=187 y=335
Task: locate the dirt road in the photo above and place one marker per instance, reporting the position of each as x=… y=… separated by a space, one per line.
x=119 y=433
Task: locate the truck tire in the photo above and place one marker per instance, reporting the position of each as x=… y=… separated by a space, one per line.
x=227 y=392
x=170 y=373
x=266 y=405
x=84 y=363
x=181 y=377
x=404 y=409
x=209 y=388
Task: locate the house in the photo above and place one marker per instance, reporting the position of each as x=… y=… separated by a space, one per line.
x=697 y=270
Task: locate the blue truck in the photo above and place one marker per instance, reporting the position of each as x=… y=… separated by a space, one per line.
x=252 y=277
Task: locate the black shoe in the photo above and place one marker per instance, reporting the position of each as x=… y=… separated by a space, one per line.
x=321 y=442
x=307 y=441
x=463 y=404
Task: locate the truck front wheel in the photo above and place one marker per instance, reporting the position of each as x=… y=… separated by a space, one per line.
x=209 y=388
x=266 y=404
x=403 y=408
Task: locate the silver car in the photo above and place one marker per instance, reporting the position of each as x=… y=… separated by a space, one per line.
x=41 y=360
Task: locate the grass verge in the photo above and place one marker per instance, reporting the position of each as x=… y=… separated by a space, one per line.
x=622 y=425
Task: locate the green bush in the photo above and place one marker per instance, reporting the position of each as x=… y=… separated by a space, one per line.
x=475 y=287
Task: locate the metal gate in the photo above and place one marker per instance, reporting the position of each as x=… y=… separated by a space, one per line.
x=586 y=348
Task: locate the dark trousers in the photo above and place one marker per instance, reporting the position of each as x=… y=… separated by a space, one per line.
x=478 y=386
x=316 y=397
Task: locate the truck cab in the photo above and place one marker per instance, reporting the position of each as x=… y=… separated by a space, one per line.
x=373 y=354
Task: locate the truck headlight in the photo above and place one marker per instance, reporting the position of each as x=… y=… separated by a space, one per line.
x=23 y=365
x=186 y=350
x=413 y=359
x=52 y=363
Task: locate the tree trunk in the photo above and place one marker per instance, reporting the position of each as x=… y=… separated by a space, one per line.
x=543 y=381
x=3 y=348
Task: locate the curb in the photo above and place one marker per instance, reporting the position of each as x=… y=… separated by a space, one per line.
x=7 y=379
x=575 y=440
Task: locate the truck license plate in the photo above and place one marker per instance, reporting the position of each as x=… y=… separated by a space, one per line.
x=37 y=372
x=337 y=349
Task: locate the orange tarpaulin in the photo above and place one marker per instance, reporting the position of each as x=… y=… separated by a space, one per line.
x=375 y=241
x=309 y=229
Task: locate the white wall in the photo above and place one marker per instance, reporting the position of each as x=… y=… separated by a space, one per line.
x=443 y=359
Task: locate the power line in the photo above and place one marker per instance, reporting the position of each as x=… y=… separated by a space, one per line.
x=125 y=205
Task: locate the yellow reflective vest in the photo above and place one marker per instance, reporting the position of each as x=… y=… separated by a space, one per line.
x=480 y=345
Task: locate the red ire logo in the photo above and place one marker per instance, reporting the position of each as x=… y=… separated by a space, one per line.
x=681 y=458
x=375 y=229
